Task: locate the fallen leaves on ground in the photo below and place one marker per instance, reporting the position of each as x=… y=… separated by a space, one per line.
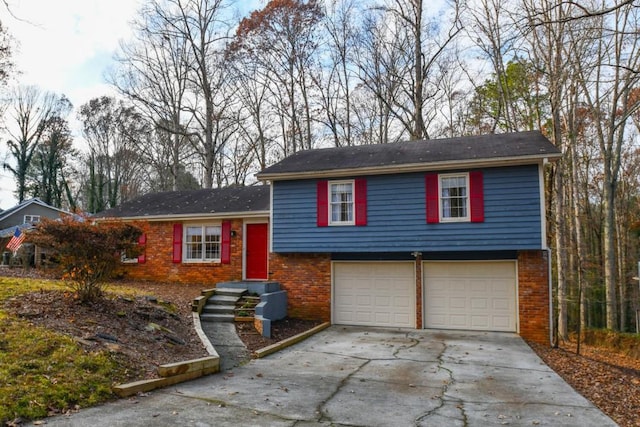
x=608 y=379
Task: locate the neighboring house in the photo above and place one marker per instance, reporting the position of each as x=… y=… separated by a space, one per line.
x=26 y=214
x=200 y=236
x=427 y=234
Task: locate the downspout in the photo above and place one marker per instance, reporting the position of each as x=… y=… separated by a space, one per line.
x=545 y=244
x=550 y=297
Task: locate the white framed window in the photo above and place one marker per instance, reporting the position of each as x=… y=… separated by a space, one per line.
x=31 y=219
x=202 y=243
x=454 y=197
x=125 y=259
x=341 y=202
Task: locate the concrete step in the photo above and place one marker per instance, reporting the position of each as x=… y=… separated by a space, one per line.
x=208 y=317
x=218 y=309
x=233 y=292
x=222 y=300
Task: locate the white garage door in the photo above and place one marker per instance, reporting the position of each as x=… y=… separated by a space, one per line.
x=374 y=294
x=470 y=295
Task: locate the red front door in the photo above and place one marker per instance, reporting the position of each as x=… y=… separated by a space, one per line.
x=256 y=251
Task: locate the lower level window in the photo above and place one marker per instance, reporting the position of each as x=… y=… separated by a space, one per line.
x=202 y=243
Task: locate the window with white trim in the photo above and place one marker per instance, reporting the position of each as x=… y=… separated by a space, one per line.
x=31 y=219
x=202 y=243
x=454 y=197
x=126 y=259
x=341 y=203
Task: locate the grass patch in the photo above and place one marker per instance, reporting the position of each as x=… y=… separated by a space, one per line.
x=42 y=371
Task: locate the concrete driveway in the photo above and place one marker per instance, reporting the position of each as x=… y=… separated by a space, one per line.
x=368 y=377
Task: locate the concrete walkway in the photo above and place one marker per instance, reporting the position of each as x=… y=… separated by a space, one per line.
x=228 y=345
x=348 y=376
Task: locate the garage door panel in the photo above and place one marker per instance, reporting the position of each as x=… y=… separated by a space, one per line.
x=470 y=295
x=480 y=322
x=501 y=321
x=500 y=304
x=479 y=304
x=457 y=320
x=384 y=293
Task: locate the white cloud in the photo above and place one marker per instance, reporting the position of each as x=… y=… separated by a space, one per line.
x=64 y=46
x=58 y=38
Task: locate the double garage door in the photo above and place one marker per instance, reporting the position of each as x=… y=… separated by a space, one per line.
x=457 y=295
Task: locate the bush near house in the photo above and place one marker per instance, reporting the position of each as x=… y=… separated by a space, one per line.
x=88 y=253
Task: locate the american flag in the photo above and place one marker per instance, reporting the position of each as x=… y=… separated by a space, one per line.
x=16 y=241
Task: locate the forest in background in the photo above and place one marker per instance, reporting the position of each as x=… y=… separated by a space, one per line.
x=207 y=98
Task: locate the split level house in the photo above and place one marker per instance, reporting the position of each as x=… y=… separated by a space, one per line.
x=444 y=234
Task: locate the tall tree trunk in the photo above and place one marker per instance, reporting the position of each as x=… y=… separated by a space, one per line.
x=609 y=252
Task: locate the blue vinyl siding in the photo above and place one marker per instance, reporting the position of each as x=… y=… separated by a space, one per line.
x=397 y=221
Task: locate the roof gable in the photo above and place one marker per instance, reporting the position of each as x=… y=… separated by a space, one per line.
x=498 y=149
x=206 y=202
x=25 y=204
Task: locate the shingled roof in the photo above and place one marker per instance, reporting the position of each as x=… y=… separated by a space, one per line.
x=469 y=151
x=194 y=203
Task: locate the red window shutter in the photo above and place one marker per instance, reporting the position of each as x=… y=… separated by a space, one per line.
x=177 y=243
x=361 y=201
x=323 y=203
x=432 y=198
x=476 y=196
x=225 y=250
x=142 y=241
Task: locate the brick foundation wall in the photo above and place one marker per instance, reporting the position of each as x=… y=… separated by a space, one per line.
x=307 y=280
x=159 y=266
x=533 y=296
x=419 y=324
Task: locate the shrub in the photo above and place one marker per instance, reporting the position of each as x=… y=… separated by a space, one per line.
x=88 y=253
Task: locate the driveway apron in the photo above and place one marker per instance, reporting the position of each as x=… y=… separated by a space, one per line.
x=368 y=377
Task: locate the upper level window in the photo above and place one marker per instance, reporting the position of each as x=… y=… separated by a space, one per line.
x=341 y=202
x=454 y=197
x=31 y=219
x=202 y=243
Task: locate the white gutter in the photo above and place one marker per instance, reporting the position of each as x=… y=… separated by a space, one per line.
x=412 y=167
x=184 y=217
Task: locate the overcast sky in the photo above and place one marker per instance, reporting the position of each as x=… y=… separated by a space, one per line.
x=66 y=46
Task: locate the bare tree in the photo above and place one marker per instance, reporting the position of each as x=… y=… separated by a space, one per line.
x=115 y=170
x=51 y=170
x=379 y=67
x=177 y=68
x=608 y=87
x=336 y=78
x=153 y=75
x=282 y=37
x=31 y=115
x=428 y=42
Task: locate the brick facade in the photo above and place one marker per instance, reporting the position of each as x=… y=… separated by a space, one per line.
x=307 y=280
x=533 y=296
x=158 y=266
